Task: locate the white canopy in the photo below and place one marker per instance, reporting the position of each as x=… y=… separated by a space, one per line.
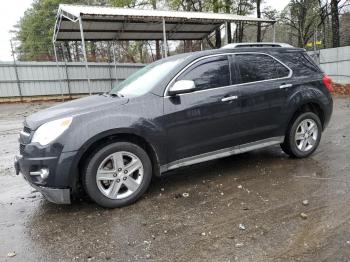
x=95 y=23
x=110 y=23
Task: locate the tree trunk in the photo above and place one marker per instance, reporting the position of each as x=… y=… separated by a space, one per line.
x=323 y=20
x=258 y=12
x=217 y=31
x=187 y=46
x=240 y=24
x=217 y=38
x=188 y=43
x=158 y=55
x=77 y=56
x=335 y=23
x=324 y=36
x=69 y=55
x=240 y=31
x=60 y=52
x=300 y=40
x=93 y=51
x=228 y=4
x=140 y=49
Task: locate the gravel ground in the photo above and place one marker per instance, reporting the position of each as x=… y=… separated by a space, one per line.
x=258 y=206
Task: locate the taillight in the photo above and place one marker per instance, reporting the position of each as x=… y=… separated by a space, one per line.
x=327 y=81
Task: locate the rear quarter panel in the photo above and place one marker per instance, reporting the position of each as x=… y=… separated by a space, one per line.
x=305 y=90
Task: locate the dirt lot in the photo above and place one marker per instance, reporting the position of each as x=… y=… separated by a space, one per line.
x=263 y=191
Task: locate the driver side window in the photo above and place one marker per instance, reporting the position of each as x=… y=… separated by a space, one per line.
x=211 y=72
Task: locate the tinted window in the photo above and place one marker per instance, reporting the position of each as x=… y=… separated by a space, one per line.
x=257 y=67
x=300 y=63
x=208 y=73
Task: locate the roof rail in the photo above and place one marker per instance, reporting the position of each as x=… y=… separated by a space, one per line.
x=262 y=44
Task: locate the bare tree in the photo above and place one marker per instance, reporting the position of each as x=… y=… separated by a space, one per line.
x=244 y=7
x=302 y=16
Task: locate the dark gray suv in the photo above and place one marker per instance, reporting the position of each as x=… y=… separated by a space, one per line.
x=176 y=112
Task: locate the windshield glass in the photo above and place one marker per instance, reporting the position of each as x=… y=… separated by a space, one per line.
x=145 y=79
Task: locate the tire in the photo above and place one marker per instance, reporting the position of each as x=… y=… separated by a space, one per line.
x=117 y=174
x=301 y=139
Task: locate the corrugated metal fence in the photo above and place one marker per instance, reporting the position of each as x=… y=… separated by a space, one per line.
x=44 y=78
x=335 y=62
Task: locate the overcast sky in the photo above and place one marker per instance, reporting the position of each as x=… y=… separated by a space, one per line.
x=13 y=10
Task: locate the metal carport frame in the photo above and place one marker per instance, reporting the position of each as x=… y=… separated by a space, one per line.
x=94 y=23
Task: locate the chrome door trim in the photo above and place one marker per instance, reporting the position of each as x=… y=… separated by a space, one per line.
x=226 y=54
x=285 y=86
x=229 y=98
x=222 y=153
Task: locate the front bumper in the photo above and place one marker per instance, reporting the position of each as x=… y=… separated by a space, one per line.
x=54 y=195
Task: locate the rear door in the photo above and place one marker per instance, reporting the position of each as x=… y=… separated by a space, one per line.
x=263 y=83
x=205 y=120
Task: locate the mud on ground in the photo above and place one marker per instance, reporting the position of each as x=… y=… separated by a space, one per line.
x=245 y=208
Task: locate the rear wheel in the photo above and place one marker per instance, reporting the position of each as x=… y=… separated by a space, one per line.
x=117 y=174
x=303 y=135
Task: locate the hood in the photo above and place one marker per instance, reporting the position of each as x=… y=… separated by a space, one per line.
x=74 y=108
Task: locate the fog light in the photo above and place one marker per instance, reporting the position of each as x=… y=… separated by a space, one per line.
x=43 y=173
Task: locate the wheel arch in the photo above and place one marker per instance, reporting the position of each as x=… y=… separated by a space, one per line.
x=112 y=136
x=308 y=106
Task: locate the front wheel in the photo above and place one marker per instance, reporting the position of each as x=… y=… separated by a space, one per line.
x=117 y=174
x=303 y=135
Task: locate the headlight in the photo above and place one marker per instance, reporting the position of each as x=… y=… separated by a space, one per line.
x=49 y=131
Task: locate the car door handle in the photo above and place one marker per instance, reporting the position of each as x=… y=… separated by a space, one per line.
x=229 y=98
x=285 y=86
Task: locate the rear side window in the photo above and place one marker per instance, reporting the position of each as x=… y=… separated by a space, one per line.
x=300 y=63
x=259 y=67
x=208 y=73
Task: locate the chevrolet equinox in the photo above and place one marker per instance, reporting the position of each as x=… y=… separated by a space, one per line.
x=175 y=112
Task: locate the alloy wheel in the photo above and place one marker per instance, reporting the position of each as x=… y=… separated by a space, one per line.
x=119 y=175
x=306 y=135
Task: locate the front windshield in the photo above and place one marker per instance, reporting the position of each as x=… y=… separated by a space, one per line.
x=146 y=78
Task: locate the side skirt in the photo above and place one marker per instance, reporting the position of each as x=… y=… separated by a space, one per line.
x=222 y=153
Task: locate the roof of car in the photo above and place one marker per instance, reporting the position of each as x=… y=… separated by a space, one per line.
x=256 y=44
x=193 y=55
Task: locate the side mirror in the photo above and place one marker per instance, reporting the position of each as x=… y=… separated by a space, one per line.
x=181 y=87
